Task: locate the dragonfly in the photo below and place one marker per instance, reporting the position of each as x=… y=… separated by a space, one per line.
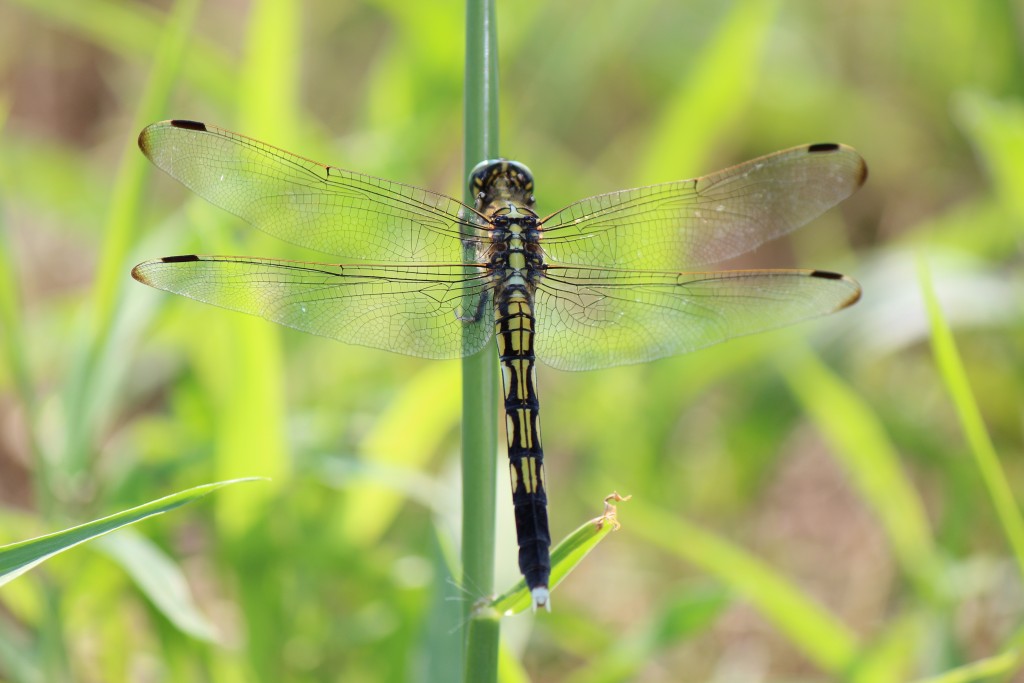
x=612 y=279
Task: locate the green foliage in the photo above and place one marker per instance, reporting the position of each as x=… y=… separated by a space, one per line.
x=18 y=558
x=565 y=556
x=832 y=502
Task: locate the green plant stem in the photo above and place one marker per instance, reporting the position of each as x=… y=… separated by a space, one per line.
x=479 y=371
x=482 y=640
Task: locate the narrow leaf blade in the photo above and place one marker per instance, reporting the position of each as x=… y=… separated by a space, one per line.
x=18 y=558
x=564 y=558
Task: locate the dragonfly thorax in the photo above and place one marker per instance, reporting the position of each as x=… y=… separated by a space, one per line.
x=516 y=257
x=500 y=180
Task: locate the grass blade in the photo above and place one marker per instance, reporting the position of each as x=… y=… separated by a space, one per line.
x=250 y=433
x=18 y=558
x=722 y=81
x=15 y=352
x=564 y=557
x=122 y=218
x=679 y=617
x=981 y=670
x=858 y=439
x=84 y=411
x=161 y=579
x=954 y=376
x=821 y=637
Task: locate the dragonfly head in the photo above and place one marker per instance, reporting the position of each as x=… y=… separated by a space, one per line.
x=501 y=180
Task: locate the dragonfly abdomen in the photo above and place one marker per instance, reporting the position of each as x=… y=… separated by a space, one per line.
x=514 y=329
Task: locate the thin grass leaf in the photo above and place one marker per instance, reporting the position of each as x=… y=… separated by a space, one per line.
x=17 y=656
x=679 y=617
x=160 y=579
x=14 y=351
x=891 y=653
x=564 y=557
x=85 y=413
x=270 y=74
x=510 y=669
x=996 y=129
x=721 y=82
x=860 y=442
x=954 y=376
x=18 y=558
x=250 y=428
x=403 y=438
x=123 y=217
x=821 y=637
x=981 y=670
x=439 y=651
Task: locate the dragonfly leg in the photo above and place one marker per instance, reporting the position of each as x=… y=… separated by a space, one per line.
x=482 y=304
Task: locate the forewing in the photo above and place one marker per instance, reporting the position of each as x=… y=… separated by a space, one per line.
x=591 y=318
x=325 y=208
x=435 y=311
x=692 y=223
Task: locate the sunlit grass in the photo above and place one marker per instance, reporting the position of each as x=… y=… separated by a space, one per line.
x=954 y=376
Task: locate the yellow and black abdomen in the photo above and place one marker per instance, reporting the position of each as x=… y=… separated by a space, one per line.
x=514 y=329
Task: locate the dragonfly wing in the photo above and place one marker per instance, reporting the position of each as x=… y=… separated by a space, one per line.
x=591 y=318
x=320 y=207
x=430 y=311
x=692 y=223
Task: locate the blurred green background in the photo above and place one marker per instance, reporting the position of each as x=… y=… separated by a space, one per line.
x=806 y=504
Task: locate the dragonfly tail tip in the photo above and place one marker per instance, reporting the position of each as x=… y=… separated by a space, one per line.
x=541 y=598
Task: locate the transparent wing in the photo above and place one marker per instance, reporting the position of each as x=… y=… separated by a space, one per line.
x=692 y=223
x=591 y=318
x=300 y=201
x=430 y=311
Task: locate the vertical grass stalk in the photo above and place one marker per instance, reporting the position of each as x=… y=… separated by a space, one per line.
x=122 y=220
x=479 y=371
x=954 y=376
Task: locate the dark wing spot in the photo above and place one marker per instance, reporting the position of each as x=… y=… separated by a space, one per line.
x=826 y=274
x=182 y=259
x=189 y=125
x=823 y=147
x=829 y=275
x=139 y=271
